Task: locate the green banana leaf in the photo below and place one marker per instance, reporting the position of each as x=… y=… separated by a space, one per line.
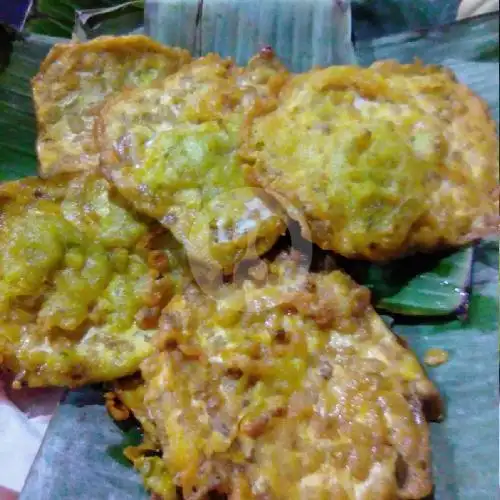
x=425 y=285
x=133 y=436
x=122 y=19
x=57 y=17
x=17 y=118
x=303 y=34
x=375 y=18
x=465 y=446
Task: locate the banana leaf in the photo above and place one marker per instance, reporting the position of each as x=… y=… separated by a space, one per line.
x=375 y=18
x=424 y=285
x=303 y=34
x=464 y=446
x=467 y=40
x=17 y=118
x=57 y=17
x=131 y=437
x=125 y=18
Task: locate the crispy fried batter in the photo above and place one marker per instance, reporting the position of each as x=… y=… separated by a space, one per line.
x=290 y=389
x=382 y=161
x=80 y=296
x=146 y=457
x=130 y=391
x=116 y=408
x=171 y=150
x=72 y=84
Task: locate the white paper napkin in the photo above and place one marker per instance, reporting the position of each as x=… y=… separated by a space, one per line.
x=24 y=417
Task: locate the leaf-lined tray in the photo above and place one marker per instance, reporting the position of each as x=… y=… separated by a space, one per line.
x=76 y=460
x=57 y=17
x=375 y=18
x=17 y=118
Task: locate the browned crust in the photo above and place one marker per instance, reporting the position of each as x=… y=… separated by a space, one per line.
x=390 y=67
x=107 y=154
x=415 y=479
x=109 y=43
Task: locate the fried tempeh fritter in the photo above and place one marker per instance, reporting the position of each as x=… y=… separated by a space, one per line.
x=288 y=387
x=73 y=82
x=81 y=286
x=380 y=161
x=171 y=151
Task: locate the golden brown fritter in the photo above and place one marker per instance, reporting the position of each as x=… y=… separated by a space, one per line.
x=73 y=82
x=289 y=387
x=380 y=161
x=81 y=286
x=171 y=151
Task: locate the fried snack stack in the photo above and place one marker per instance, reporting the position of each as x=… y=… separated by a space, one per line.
x=150 y=251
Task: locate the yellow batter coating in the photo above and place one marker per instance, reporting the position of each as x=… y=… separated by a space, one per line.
x=288 y=387
x=381 y=161
x=81 y=282
x=171 y=151
x=73 y=82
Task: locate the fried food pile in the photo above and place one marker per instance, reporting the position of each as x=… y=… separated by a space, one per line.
x=148 y=255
